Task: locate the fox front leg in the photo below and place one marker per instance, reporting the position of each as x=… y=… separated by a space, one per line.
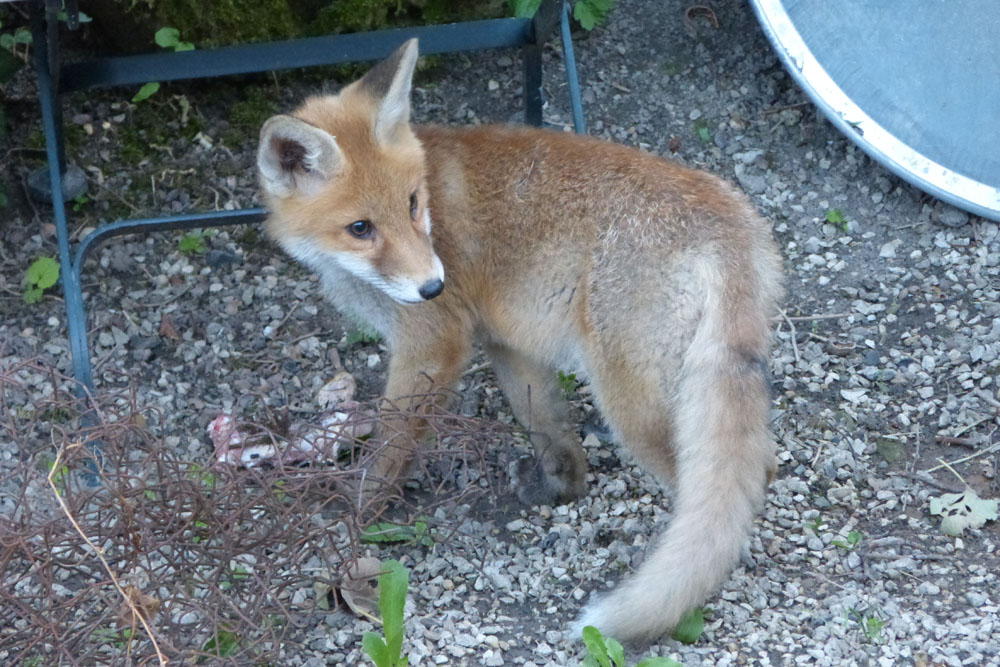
x=423 y=371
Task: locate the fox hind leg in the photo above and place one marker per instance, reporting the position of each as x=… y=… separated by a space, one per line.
x=556 y=474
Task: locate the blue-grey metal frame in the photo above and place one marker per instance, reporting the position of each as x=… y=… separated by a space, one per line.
x=529 y=34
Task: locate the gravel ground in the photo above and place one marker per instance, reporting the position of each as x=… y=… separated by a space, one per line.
x=886 y=356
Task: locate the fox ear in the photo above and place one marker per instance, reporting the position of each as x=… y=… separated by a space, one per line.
x=389 y=84
x=295 y=156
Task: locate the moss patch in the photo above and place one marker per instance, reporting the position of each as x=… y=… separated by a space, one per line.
x=248 y=115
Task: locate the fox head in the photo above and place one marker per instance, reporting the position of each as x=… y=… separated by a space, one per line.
x=344 y=178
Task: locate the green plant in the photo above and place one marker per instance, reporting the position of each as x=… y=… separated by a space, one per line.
x=853 y=539
x=418 y=533
x=363 y=334
x=871 y=625
x=591 y=13
x=222 y=644
x=836 y=217
x=608 y=652
x=200 y=527
x=588 y=13
x=9 y=41
x=120 y=638
x=391 y=599
x=79 y=202
x=234 y=575
x=691 y=626
x=42 y=274
x=193 y=242
x=200 y=474
x=568 y=382
x=80 y=16
x=701 y=129
x=166 y=38
x=60 y=476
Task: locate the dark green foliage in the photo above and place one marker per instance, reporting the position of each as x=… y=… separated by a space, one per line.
x=130 y=25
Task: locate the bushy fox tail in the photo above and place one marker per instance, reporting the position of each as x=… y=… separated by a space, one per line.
x=724 y=455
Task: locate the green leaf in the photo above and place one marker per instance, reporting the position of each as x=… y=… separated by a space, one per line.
x=853 y=538
x=835 y=216
x=146 y=91
x=615 y=651
x=192 y=243
x=391 y=600
x=223 y=644
x=659 y=662
x=81 y=17
x=701 y=129
x=7 y=41
x=22 y=36
x=32 y=295
x=363 y=334
x=167 y=38
x=596 y=647
x=43 y=273
x=184 y=46
x=964 y=510
x=376 y=649
x=585 y=15
x=591 y=13
x=524 y=9
x=568 y=382
x=690 y=627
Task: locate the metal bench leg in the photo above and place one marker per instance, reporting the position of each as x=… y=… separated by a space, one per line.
x=532 y=56
x=569 y=59
x=549 y=13
x=46 y=62
x=75 y=314
x=45 y=35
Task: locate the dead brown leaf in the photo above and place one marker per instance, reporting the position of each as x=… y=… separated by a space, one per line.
x=168 y=329
x=359 y=587
x=146 y=605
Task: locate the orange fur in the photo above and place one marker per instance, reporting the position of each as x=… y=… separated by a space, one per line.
x=654 y=281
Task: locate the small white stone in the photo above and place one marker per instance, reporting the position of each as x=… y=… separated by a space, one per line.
x=888 y=250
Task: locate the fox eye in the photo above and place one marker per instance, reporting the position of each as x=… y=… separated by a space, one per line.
x=361 y=229
x=413 y=206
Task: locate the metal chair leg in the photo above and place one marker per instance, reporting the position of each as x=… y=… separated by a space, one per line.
x=47 y=96
x=569 y=59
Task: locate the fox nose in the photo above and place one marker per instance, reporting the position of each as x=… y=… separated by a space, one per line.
x=431 y=288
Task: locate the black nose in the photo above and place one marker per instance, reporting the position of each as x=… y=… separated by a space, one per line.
x=431 y=288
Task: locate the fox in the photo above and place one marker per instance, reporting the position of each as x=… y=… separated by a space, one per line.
x=549 y=250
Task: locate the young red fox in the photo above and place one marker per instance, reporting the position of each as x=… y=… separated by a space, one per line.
x=553 y=251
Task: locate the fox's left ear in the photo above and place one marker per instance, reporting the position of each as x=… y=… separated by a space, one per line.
x=389 y=84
